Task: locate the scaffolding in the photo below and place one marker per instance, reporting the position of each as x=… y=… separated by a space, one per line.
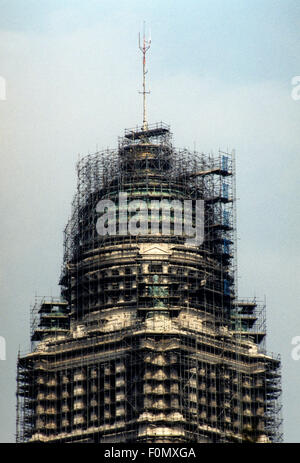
x=149 y=341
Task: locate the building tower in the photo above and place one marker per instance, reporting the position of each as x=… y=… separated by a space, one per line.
x=149 y=341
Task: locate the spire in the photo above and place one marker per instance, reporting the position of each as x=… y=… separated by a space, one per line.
x=144 y=46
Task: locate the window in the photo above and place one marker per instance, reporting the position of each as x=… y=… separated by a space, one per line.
x=155 y=268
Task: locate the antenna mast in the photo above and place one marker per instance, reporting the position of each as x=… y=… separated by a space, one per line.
x=144 y=47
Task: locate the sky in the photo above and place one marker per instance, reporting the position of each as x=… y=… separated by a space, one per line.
x=220 y=74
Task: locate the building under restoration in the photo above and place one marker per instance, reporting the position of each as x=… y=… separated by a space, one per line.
x=149 y=341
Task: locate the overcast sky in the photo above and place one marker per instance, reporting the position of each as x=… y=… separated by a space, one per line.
x=220 y=74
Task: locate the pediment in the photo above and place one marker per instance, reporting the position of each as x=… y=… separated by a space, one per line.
x=162 y=249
